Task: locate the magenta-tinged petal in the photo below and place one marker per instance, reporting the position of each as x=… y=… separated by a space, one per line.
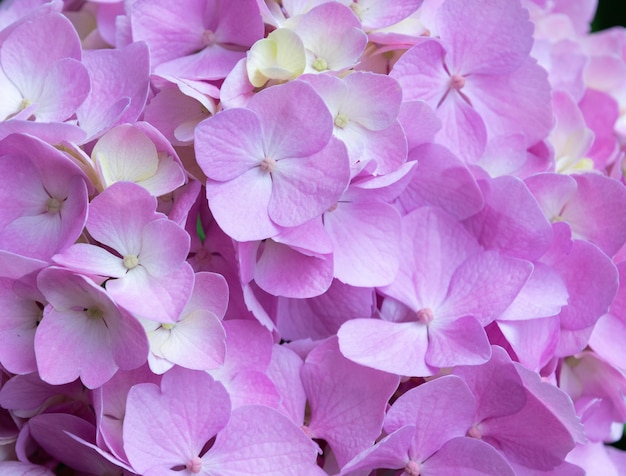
x=472 y=285
x=161 y=27
x=119 y=76
x=469 y=457
x=497 y=42
x=283 y=271
x=511 y=220
x=303 y=188
x=91 y=259
x=57 y=433
x=513 y=103
x=441 y=180
x=159 y=298
x=437 y=245
x=463 y=130
x=534 y=341
x=459 y=342
x=284 y=109
x=220 y=157
x=398 y=348
x=284 y=371
x=117 y=216
x=390 y=452
x=168 y=426
x=32 y=47
x=440 y=410
x=320 y=317
x=366 y=242
x=259 y=440
x=240 y=206
x=360 y=402
x=65 y=88
x=17 y=468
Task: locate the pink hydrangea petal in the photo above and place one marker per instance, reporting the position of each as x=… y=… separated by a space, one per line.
x=366 y=239
x=66 y=86
x=497 y=42
x=304 y=188
x=240 y=206
x=117 y=216
x=91 y=259
x=28 y=52
x=398 y=348
x=159 y=298
x=271 y=443
x=219 y=156
x=164 y=247
x=442 y=180
x=282 y=128
x=440 y=410
x=361 y=401
x=169 y=426
x=526 y=109
x=282 y=271
x=467 y=456
x=459 y=342
x=421 y=74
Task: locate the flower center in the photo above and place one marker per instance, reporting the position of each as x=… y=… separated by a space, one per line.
x=412 y=468
x=341 y=121
x=194 y=465
x=425 y=315
x=320 y=64
x=94 y=313
x=457 y=81
x=131 y=261
x=53 y=205
x=474 y=432
x=168 y=326
x=268 y=164
x=208 y=38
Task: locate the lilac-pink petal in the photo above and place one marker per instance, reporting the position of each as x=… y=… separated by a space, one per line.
x=283 y=271
x=366 y=242
x=467 y=456
x=17 y=468
x=457 y=342
x=65 y=88
x=284 y=371
x=59 y=435
x=441 y=180
x=259 y=440
x=511 y=220
x=322 y=316
x=240 y=206
x=303 y=188
x=284 y=136
x=160 y=298
x=497 y=42
x=343 y=395
x=168 y=427
x=472 y=285
x=515 y=102
x=421 y=74
x=91 y=259
x=120 y=83
x=463 y=130
x=390 y=452
x=118 y=215
x=220 y=157
x=398 y=348
x=164 y=247
x=440 y=409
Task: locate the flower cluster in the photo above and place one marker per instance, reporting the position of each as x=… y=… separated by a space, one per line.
x=311 y=237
